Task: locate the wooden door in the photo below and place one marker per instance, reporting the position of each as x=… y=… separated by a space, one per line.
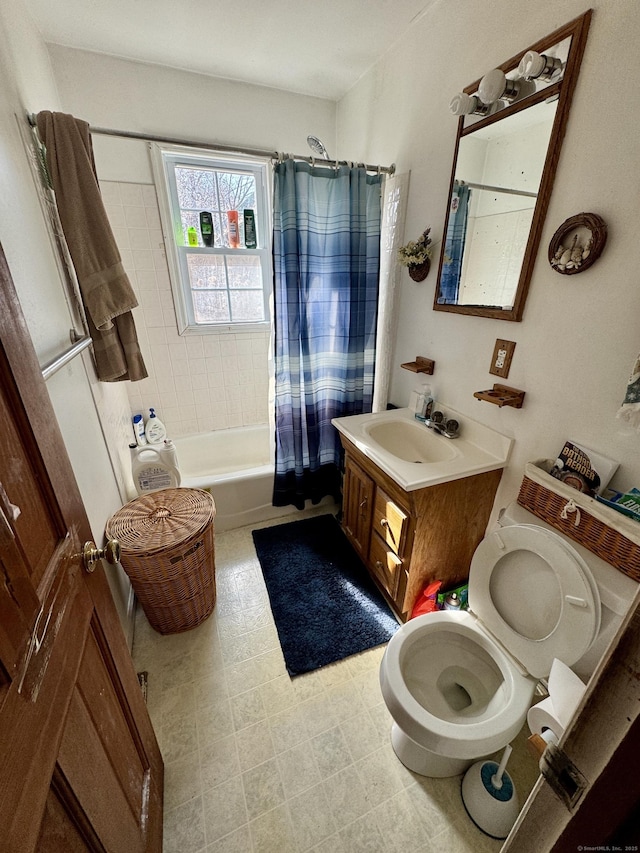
x=80 y=767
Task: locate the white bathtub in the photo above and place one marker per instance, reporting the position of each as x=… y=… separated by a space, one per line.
x=235 y=466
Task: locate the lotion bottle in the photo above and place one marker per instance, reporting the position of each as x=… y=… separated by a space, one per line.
x=155 y=430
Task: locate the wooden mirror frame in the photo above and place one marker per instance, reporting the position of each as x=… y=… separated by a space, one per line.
x=577 y=30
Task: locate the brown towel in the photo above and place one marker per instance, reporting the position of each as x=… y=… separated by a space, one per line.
x=106 y=290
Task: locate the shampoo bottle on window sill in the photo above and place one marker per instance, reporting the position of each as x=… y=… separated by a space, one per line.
x=250 y=240
x=206 y=228
x=154 y=429
x=234 y=232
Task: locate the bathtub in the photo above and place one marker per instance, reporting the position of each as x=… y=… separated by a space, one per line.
x=235 y=466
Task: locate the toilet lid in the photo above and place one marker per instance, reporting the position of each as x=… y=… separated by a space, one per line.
x=536 y=595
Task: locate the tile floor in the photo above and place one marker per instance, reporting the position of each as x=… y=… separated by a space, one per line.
x=256 y=762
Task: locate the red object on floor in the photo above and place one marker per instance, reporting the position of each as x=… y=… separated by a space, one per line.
x=427 y=600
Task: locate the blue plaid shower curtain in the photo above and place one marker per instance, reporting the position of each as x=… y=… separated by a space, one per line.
x=326 y=265
x=454 y=244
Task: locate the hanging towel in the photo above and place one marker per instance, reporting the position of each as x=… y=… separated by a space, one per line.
x=630 y=409
x=107 y=293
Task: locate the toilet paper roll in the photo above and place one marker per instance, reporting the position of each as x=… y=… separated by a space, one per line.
x=542 y=716
x=565 y=690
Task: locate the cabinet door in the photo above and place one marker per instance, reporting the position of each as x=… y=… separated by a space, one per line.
x=357 y=507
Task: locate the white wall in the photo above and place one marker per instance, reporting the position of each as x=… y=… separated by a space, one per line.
x=580 y=334
x=196 y=382
x=28 y=86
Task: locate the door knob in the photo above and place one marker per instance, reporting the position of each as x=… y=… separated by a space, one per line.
x=91 y=554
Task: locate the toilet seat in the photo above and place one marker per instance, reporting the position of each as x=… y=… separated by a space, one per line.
x=535 y=595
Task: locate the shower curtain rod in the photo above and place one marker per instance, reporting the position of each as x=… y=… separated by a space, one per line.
x=498 y=189
x=235 y=149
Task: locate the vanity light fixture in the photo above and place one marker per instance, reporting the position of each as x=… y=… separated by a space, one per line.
x=496 y=85
x=465 y=105
x=539 y=66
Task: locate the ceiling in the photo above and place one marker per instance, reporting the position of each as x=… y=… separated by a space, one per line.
x=319 y=48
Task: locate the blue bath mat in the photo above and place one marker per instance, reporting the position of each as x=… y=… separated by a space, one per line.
x=325 y=605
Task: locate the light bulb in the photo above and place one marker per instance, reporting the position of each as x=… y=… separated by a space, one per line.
x=539 y=66
x=464 y=105
x=495 y=84
x=492 y=86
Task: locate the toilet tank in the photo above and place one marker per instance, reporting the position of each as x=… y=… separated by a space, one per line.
x=616 y=589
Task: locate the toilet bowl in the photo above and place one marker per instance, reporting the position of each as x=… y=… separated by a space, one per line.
x=459 y=684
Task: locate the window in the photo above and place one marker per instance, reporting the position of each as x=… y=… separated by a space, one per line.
x=219 y=283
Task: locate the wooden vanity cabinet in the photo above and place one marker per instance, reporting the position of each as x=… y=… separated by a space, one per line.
x=408 y=539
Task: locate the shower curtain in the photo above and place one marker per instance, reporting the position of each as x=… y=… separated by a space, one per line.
x=454 y=244
x=326 y=266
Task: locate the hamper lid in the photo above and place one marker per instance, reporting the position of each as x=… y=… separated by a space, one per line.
x=156 y=520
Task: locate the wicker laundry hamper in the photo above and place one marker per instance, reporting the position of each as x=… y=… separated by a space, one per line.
x=166 y=539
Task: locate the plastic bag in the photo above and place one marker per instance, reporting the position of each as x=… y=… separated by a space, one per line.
x=426 y=602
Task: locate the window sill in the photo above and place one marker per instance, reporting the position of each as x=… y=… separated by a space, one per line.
x=227 y=328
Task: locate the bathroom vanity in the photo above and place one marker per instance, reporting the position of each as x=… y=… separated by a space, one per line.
x=416 y=519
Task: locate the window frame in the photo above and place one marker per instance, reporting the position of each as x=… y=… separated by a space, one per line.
x=164 y=159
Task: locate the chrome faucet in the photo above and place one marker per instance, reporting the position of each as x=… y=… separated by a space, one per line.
x=448 y=427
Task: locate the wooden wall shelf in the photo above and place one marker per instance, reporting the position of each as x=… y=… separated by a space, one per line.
x=420 y=365
x=502 y=395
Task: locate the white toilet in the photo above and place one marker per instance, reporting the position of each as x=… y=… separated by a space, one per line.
x=458 y=684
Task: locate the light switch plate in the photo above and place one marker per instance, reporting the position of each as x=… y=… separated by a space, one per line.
x=501 y=360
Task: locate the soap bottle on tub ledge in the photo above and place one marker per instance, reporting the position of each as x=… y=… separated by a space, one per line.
x=154 y=429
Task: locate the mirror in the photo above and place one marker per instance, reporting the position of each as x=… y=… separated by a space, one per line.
x=505 y=162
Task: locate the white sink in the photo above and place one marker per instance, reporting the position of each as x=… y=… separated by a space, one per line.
x=412 y=442
x=414 y=456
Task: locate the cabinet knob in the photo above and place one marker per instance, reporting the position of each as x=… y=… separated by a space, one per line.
x=379 y=565
x=384 y=522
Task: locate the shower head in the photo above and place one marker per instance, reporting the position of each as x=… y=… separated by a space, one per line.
x=316 y=145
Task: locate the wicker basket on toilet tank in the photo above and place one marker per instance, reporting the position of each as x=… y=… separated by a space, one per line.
x=603 y=531
x=167 y=543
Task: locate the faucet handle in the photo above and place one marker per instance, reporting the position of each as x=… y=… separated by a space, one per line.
x=451 y=428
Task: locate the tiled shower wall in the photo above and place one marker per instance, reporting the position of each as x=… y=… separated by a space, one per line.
x=196 y=383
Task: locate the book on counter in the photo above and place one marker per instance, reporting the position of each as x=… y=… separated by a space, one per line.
x=583 y=469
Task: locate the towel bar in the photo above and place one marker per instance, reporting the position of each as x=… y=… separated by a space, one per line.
x=78 y=346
